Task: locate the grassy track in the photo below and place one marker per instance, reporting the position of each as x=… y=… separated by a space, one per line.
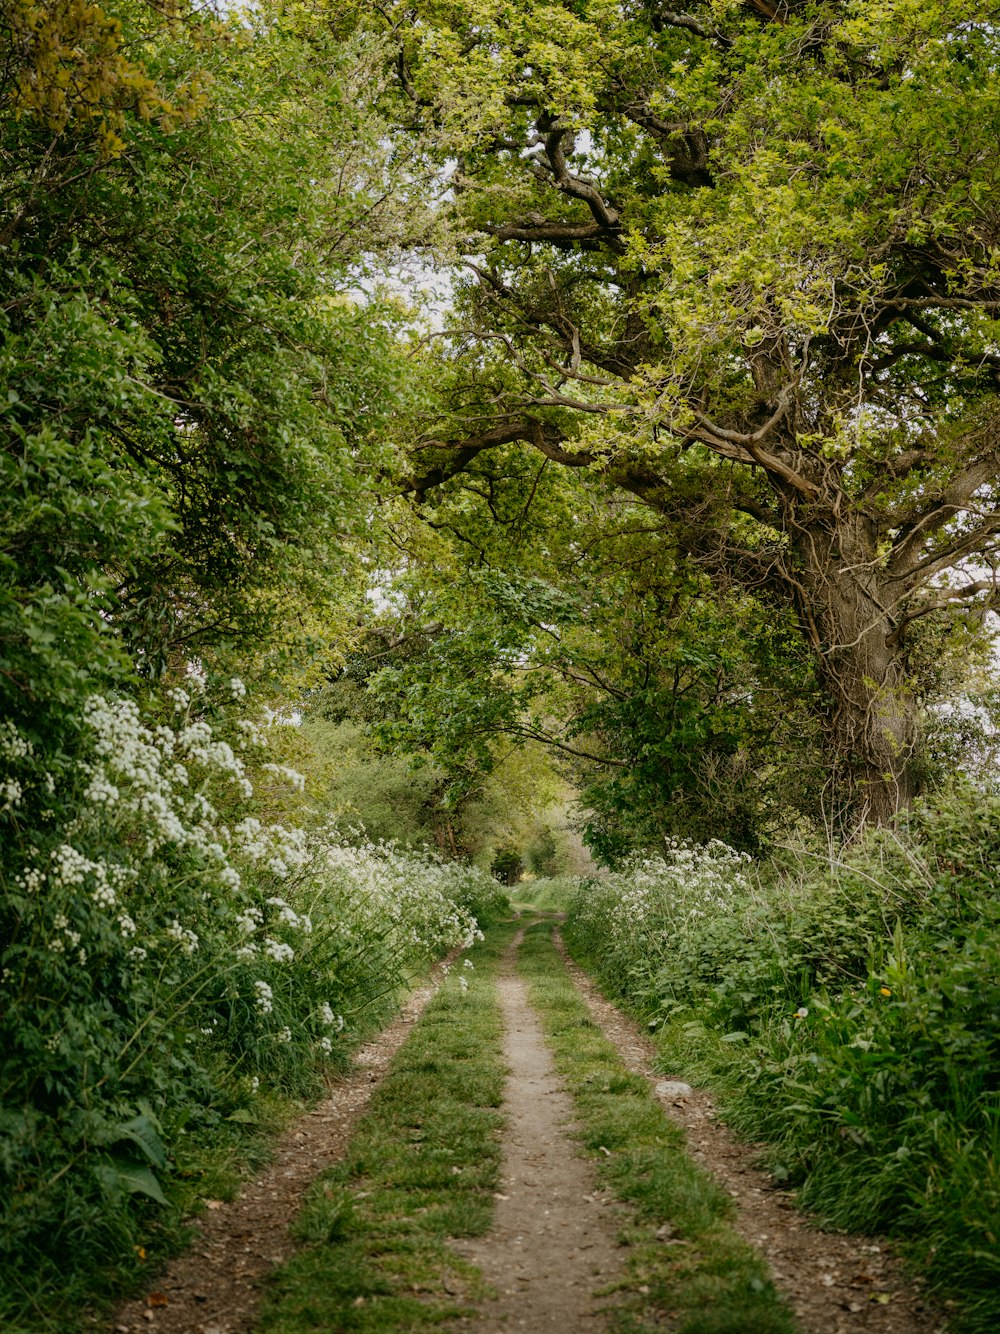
x=551 y=894
x=684 y=1258
x=422 y=1167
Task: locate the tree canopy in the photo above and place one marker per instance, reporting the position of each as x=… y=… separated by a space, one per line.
x=738 y=264
x=190 y=390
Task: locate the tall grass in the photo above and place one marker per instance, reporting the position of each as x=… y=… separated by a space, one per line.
x=848 y=1011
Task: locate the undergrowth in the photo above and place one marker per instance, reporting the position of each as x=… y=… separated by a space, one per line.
x=177 y=968
x=546 y=894
x=703 y=1274
x=848 y=1013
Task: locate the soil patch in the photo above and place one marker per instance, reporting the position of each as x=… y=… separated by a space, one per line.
x=837 y=1283
x=215 y=1287
x=553 y=1245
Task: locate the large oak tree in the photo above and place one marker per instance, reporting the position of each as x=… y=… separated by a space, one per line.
x=741 y=262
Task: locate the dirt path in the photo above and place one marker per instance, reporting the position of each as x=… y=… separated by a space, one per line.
x=553 y=1248
x=837 y=1283
x=553 y=1243
x=214 y=1288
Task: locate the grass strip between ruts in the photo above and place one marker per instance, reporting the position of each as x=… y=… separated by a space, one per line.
x=686 y=1265
x=422 y=1167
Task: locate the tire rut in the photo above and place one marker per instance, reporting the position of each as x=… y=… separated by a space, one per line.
x=836 y=1282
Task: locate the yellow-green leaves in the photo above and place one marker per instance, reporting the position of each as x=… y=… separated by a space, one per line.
x=77 y=66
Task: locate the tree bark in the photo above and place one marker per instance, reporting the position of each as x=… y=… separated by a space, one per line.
x=846 y=605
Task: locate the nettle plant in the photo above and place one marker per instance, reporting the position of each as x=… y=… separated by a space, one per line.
x=166 y=952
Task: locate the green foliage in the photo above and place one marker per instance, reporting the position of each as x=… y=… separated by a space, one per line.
x=507 y=865
x=387 y=794
x=389 y=767
x=673 y=711
x=851 y=1015
x=190 y=385
x=708 y=303
x=185 y=391
x=550 y=894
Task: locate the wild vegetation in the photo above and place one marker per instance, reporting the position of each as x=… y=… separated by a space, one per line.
x=660 y=534
x=849 y=1014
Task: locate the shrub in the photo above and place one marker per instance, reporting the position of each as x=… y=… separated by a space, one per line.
x=168 y=957
x=849 y=1012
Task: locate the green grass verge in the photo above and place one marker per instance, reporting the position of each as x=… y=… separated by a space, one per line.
x=550 y=894
x=686 y=1265
x=422 y=1167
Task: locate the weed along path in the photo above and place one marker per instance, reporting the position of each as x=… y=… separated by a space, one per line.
x=553 y=1245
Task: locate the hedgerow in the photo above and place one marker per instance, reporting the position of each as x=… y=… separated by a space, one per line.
x=848 y=1011
x=168 y=958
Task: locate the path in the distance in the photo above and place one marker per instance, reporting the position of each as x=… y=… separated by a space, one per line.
x=553 y=1243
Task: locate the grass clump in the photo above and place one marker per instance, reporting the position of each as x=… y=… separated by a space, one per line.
x=708 y=1279
x=848 y=1012
x=422 y=1168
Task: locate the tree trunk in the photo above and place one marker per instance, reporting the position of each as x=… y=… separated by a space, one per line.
x=845 y=604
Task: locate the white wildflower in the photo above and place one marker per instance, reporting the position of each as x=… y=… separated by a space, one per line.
x=30 y=880
x=104 y=896
x=14 y=746
x=278 y=950
x=292 y=776
x=248 y=920
x=185 y=937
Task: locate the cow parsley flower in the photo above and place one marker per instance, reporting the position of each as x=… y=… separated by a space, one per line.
x=186 y=938
x=248 y=920
x=278 y=950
